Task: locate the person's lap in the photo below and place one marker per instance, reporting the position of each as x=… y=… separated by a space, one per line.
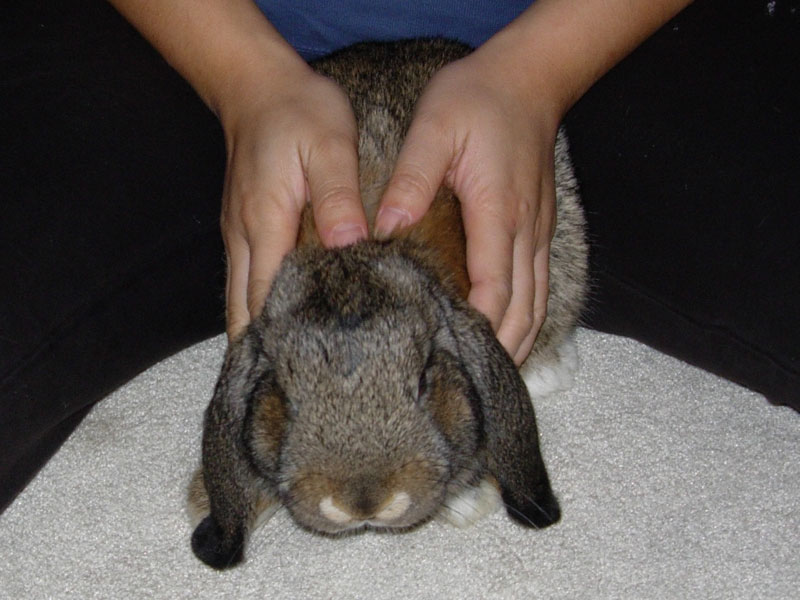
x=687 y=158
x=110 y=249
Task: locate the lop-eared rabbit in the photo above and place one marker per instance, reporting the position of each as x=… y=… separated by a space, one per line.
x=369 y=394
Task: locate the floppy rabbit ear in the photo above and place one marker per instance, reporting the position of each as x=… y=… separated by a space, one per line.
x=509 y=423
x=232 y=484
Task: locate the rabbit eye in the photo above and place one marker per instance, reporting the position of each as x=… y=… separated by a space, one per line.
x=422 y=386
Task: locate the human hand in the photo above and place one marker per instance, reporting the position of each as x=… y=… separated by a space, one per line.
x=492 y=143
x=290 y=138
x=489 y=123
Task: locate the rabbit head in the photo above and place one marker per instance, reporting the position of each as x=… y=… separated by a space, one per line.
x=366 y=393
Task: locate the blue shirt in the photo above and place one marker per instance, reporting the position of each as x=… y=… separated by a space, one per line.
x=317 y=27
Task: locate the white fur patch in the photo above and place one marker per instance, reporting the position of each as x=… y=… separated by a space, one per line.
x=399 y=504
x=470 y=505
x=332 y=512
x=544 y=379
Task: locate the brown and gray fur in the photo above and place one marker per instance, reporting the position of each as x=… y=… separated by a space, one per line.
x=369 y=392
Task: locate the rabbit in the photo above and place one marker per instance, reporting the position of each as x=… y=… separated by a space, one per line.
x=369 y=393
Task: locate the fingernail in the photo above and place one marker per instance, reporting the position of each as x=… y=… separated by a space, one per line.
x=345 y=234
x=390 y=219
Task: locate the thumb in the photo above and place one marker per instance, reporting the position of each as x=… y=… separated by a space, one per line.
x=421 y=167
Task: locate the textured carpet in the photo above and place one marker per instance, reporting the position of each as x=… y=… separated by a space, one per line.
x=673 y=484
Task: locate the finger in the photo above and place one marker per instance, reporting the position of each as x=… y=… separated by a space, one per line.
x=518 y=319
x=332 y=174
x=543 y=231
x=270 y=239
x=236 y=314
x=490 y=248
x=541 y=270
x=421 y=166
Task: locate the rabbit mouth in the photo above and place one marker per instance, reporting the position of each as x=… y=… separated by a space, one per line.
x=329 y=514
x=392 y=515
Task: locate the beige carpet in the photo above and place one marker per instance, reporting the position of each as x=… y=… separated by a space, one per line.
x=673 y=484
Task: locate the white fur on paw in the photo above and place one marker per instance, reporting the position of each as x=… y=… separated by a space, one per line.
x=470 y=505
x=543 y=379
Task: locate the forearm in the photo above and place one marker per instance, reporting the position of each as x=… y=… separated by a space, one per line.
x=567 y=45
x=219 y=46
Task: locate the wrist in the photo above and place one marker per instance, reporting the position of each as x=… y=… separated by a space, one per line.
x=557 y=49
x=226 y=49
x=527 y=65
x=259 y=72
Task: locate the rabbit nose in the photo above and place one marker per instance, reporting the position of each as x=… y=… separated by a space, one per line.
x=365 y=508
